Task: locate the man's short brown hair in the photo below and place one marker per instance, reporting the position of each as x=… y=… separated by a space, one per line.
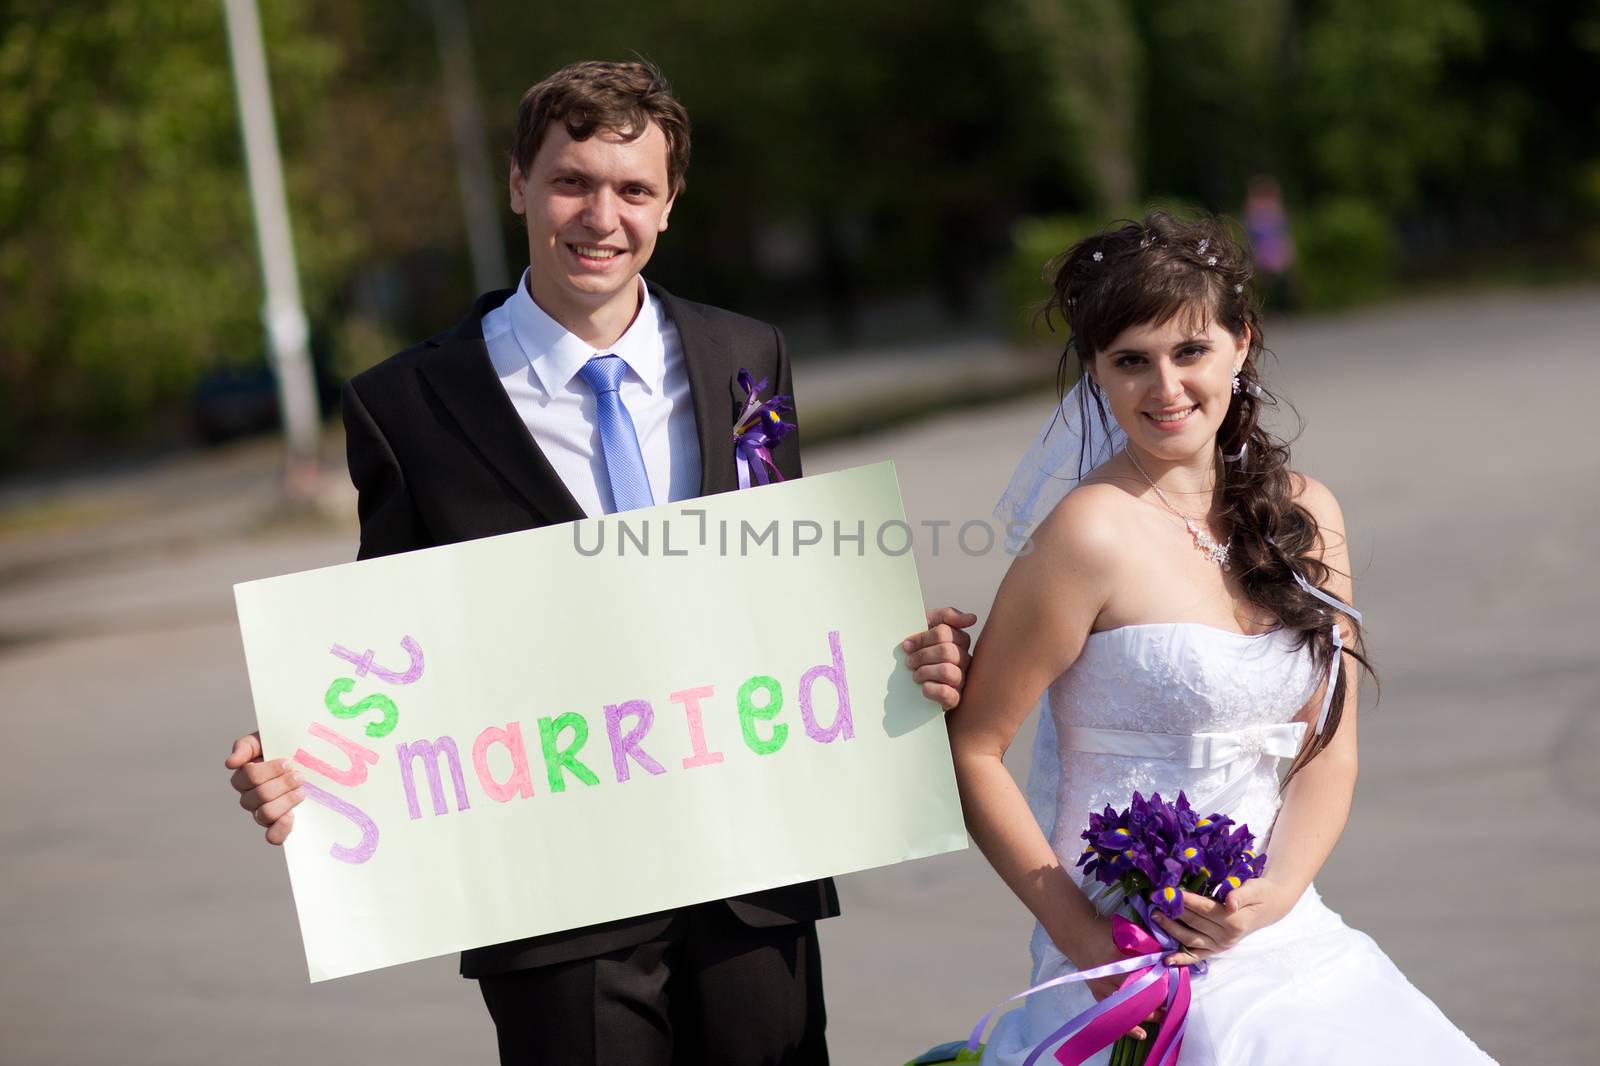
x=620 y=98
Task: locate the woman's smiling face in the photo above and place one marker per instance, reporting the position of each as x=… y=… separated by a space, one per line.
x=1169 y=386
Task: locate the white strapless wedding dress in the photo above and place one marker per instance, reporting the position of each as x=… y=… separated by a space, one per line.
x=1205 y=710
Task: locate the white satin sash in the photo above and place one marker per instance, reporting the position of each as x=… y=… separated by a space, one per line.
x=1240 y=752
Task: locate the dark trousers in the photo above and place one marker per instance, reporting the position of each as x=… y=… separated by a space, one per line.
x=710 y=990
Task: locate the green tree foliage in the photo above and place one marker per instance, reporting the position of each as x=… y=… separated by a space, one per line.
x=844 y=151
x=127 y=258
x=1375 y=99
x=837 y=144
x=1083 y=61
x=1211 y=93
x=1346 y=253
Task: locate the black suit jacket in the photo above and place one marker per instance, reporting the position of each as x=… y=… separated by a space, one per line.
x=439 y=455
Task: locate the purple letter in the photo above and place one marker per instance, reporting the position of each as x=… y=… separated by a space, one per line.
x=429 y=751
x=369 y=829
x=842 y=728
x=624 y=746
x=363 y=663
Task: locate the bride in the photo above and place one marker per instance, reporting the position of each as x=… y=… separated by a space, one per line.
x=1184 y=613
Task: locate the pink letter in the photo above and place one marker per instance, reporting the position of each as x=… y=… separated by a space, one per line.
x=429 y=752
x=843 y=727
x=369 y=829
x=690 y=698
x=624 y=746
x=358 y=755
x=518 y=783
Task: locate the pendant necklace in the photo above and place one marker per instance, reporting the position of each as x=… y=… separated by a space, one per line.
x=1214 y=552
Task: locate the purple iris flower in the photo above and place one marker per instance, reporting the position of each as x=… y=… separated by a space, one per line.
x=1157 y=850
x=1140 y=859
x=757 y=430
x=1118 y=839
x=1167 y=893
x=1218 y=863
x=1190 y=854
x=761 y=417
x=1188 y=820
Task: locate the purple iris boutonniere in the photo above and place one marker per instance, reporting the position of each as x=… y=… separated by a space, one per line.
x=758 y=429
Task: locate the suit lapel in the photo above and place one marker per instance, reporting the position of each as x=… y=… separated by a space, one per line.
x=464 y=380
x=711 y=387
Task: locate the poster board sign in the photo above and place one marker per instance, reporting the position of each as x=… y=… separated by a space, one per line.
x=559 y=727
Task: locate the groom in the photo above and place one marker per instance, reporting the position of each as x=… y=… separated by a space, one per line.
x=586 y=390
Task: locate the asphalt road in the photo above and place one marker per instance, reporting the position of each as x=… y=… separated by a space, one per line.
x=144 y=922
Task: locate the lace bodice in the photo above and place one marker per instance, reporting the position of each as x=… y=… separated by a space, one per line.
x=1166 y=678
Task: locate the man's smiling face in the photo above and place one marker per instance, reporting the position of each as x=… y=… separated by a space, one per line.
x=593 y=209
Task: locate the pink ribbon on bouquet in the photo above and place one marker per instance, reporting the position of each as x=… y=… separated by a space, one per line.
x=1150 y=984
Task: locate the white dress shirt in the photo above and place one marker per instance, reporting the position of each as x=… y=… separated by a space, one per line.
x=537 y=361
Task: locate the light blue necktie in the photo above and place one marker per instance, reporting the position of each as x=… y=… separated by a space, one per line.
x=619 y=442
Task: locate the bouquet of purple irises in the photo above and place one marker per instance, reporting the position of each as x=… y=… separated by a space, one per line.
x=1144 y=859
x=1153 y=852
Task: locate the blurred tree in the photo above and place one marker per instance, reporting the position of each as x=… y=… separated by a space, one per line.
x=1533 y=130
x=841 y=151
x=126 y=252
x=1467 y=123
x=380 y=155
x=846 y=153
x=1375 y=109
x=1211 y=90
x=1085 y=60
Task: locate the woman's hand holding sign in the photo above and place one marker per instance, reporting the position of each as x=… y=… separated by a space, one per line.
x=939 y=656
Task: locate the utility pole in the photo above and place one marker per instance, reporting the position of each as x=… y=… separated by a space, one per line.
x=474 y=173
x=288 y=335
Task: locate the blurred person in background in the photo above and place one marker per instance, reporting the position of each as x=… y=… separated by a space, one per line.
x=1266 y=224
x=584 y=391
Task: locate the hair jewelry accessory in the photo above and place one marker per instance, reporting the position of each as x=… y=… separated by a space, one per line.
x=1214 y=552
x=1099 y=256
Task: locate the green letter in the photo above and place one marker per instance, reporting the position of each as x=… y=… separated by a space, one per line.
x=555 y=756
x=749 y=713
x=333 y=700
